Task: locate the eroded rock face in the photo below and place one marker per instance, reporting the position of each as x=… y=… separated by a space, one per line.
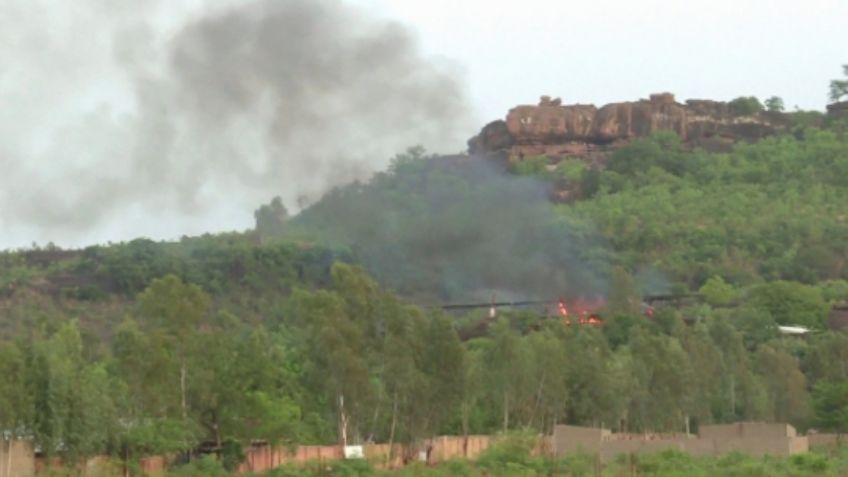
x=549 y=123
x=578 y=130
x=838 y=110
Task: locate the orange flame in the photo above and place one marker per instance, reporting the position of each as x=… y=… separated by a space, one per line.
x=585 y=311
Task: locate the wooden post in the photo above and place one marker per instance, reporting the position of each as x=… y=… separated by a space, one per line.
x=598 y=466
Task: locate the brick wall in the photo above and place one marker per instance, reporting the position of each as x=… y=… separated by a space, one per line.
x=751 y=438
x=153 y=466
x=19 y=462
x=571 y=439
x=825 y=441
x=262 y=458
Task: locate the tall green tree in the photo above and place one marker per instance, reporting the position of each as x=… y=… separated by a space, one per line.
x=74 y=415
x=506 y=360
x=15 y=400
x=473 y=390
x=827 y=358
x=443 y=362
x=785 y=385
x=175 y=310
x=741 y=394
x=145 y=367
x=242 y=389
x=839 y=88
x=624 y=296
x=661 y=376
x=706 y=367
x=595 y=380
x=830 y=404
x=336 y=358
x=405 y=381
x=549 y=389
x=150 y=411
x=370 y=308
x=756 y=324
x=271 y=219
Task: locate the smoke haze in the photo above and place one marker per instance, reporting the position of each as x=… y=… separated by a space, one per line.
x=155 y=118
x=458 y=229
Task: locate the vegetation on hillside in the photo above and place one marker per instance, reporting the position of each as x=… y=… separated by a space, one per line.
x=454 y=228
x=839 y=87
x=766 y=211
x=307 y=330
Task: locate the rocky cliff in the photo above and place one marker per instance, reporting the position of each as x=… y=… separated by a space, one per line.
x=586 y=131
x=838 y=110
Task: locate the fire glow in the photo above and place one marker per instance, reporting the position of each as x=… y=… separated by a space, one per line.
x=584 y=313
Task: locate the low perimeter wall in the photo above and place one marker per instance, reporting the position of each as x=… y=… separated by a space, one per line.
x=261 y=458
x=16 y=459
x=752 y=438
x=749 y=438
x=826 y=441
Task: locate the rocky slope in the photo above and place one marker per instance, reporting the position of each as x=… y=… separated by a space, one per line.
x=588 y=132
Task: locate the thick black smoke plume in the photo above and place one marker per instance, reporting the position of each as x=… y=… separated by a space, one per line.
x=118 y=119
x=459 y=229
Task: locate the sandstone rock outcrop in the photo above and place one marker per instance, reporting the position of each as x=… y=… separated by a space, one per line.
x=838 y=110
x=588 y=132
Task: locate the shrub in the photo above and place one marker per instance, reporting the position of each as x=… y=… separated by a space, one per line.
x=511 y=455
x=206 y=466
x=746 y=106
x=532 y=165
x=809 y=464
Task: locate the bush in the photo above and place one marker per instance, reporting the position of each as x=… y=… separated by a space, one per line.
x=288 y=471
x=351 y=468
x=746 y=106
x=571 y=169
x=457 y=468
x=791 y=303
x=206 y=466
x=809 y=464
x=531 y=166
x=670 y=463
x=232 y=454
x=774 y=104
x=511 y=455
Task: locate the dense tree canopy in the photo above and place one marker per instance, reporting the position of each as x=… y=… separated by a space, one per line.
x=839 y=87
x=766 y=211
x=312 y=330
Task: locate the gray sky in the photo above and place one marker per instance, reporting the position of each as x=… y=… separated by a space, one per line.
x=602 y=51
x=152 y=117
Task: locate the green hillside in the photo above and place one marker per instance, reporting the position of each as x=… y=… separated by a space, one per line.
x=329 y=316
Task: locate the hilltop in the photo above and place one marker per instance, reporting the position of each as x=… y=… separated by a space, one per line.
x=223 y=339
x=584 y=131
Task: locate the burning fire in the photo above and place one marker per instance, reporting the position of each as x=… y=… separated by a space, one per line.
x=585 y=313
